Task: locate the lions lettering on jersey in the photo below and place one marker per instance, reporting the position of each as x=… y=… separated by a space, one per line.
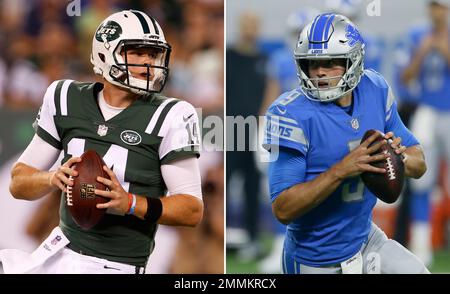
x=279 y=127
x=280 y=130
x=324 y=134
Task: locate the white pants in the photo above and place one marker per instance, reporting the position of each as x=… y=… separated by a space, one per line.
x=53 y=257
x=432 y=129
x=69 y=262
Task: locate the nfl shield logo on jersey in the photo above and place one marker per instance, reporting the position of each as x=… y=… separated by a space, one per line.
x=355 y=123
x=56 y=240
x=102 y=130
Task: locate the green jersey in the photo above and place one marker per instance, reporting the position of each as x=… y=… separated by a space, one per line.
x=151 y=132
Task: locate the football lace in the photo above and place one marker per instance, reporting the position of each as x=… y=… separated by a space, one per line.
x=69 y=193
x=390 y=168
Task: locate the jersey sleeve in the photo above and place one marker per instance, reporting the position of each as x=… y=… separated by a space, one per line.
x=395 y=124
x=45 y=121
x=48 y=155
x=288 y=170
x=181 y=133
x=283 y=130
x=183 y=177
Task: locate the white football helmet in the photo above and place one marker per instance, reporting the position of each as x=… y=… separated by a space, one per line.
x=329 y=36
x=124 y=30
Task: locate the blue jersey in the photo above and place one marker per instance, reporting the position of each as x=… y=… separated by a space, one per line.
x=323 y=134
x=434 y=77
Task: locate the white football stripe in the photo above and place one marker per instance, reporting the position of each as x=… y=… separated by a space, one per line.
x=156 y=115
x=390 y=99
x=63 y=96
x=48 y=111
x=282 y=118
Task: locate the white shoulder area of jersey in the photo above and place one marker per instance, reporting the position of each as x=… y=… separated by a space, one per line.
x=49 y=97
x=61 y=83
x=51 y=92
x=57 y=91
x=178 y=116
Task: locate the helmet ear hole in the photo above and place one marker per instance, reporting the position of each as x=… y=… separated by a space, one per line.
x=102 y=57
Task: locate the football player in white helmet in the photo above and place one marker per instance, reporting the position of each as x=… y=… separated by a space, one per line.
x=149 y=143
x=117 y=42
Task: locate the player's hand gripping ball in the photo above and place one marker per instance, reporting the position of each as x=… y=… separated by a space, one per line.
x=388 y=186
x=80 y=198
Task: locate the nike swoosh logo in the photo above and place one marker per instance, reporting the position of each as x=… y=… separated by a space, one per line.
x=281 y=109
x=185 y=119
x=108 y=267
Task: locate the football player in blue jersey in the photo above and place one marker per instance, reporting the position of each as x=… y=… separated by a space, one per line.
x=314 y=135
x=428 y=68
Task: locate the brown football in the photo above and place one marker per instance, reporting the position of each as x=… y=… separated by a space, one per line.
x=388 y=186
x=80 y=198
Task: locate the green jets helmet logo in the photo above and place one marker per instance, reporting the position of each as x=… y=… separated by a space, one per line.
x=110 y=31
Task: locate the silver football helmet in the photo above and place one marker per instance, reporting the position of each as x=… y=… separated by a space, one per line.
x=329 y=36
x=117 y=34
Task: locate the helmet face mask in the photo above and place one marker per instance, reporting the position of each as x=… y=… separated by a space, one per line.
x=329 y=37
x=121 y=34
x=325 y=88
x=156 y=71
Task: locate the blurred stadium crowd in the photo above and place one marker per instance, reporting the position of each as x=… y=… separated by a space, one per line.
x=421 y=219
x=40 y=43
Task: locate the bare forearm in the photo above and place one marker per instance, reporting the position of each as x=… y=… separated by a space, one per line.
x=415 y=165
x=29 y=183
x=301 y=198
x=177 y=210
x=181 y=210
